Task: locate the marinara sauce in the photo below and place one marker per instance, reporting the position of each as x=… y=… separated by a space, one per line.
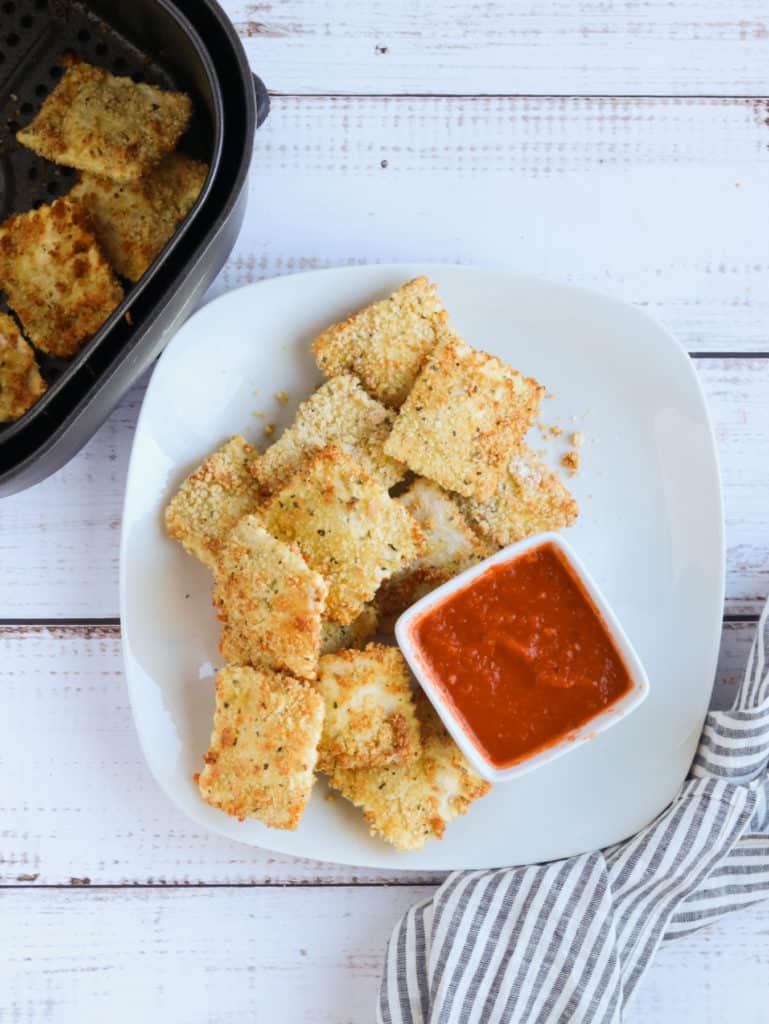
x=522 y=654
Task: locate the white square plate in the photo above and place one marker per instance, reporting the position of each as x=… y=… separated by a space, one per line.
x=650 y=532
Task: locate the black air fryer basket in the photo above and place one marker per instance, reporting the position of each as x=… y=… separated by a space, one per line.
x=196 y=51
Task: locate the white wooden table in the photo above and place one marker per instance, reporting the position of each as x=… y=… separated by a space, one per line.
x=622 y=145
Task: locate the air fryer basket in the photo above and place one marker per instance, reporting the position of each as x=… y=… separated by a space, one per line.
x=83 y=397
x=146 y=39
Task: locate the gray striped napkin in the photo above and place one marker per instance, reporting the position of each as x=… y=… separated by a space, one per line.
x=571 y=940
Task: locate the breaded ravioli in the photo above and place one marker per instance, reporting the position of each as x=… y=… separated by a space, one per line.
x=341 y=413
x=212 y=500
x=334 y=636
x=55 y=276
x=464 y=418
x=347 y=527
x=264 y=746
x=133 y=220
x=408 y=804
x=20 y=382
x=270 y=601
x=386 y=343
x=530 y=499
x=109 y=126
x=451 y=546
x=370 y=717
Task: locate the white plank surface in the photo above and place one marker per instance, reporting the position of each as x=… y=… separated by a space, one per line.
x=296 y=956
x=76 y=800
x=655 y=201
x=59 y=541
x=547 y=46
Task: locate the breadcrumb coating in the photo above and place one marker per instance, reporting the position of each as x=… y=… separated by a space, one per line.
x=370 y=718
x=133 y=220
x=530 y=499
x=347 y=527
x=212 y=500
x=57 y=280
x=20 y=382
x=270 y=601
x=408 y=804
x=264 y=746
x=110 y=126
x=463 y=419
x=341 y=413
x=334 y=636
x=386 y=343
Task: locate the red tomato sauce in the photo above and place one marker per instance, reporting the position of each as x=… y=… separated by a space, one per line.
x=523 y=655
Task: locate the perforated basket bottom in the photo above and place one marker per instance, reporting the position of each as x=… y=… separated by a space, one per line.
x=36 y=36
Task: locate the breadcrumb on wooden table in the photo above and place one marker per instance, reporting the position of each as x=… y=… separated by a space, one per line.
x=370 y=717
x=269 y=600
x=385 y=344
x=408 y=804
x=20 y=381
x=463 y=419
x=55 y=276
x=264 y=746
x=212 y=499
x=347 y=527
x=110 y=126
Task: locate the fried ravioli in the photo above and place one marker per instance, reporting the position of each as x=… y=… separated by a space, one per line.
x=530 y=499
x=334 y=636
x=212 y=500
x=264 y=746
x=55 y=276
x=20 y=382
x=370 y=718
x=109 y=126
x=386 y=343
x=408 y=804
x=341 y=413
x=133 y=220
x=347 y=527
x=463 y=419
x=270 y=601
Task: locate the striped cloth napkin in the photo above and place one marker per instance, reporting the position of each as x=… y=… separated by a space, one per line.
x=571 y=940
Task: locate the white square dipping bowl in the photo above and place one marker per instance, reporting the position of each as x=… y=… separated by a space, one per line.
x=639 y=684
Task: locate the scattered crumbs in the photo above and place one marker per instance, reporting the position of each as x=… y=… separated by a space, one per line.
x=302 y=952
x=186 y=597
x=27 y=878
x=330 y=797
x=128 y=318
x=549 y=395
x=577 y=438
x=80 y=881
x=556 y=431
x=571 y=462
x=282 y=397
x=737 y=184
x=269 y=429
x=259 y=415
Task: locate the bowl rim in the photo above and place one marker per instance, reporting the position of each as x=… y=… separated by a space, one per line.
x=575 y=738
